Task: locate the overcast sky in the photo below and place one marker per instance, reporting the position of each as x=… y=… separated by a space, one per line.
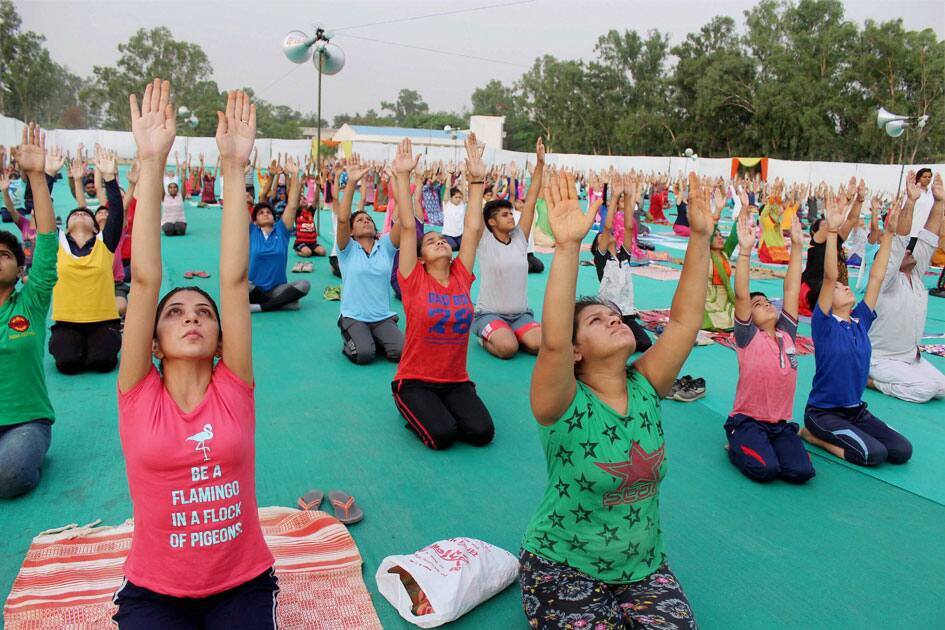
x=243 y=38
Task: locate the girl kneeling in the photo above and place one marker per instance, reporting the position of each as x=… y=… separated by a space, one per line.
x=593 y=550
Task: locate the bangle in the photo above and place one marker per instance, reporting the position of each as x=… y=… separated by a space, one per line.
x=748 y=255
x=481 y=181
x=829 y=231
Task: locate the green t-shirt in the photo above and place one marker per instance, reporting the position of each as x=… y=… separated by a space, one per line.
x=600 y=513
x=23 y=395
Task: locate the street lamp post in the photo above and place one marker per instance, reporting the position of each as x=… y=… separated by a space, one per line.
x=328 y=59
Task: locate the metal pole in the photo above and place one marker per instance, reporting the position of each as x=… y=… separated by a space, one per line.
x=318 y=145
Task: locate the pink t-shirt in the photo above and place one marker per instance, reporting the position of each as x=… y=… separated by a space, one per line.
x=767 y=370
x=192 y=482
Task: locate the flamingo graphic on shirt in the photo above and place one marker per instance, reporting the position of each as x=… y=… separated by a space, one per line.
x=201 y=438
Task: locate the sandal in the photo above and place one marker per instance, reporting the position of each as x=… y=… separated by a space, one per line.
x=201 y=274
x=332 y=293
x=307 y=267
x=188 y=274
x=310 y=500
x=346 y=510
x=297 y=268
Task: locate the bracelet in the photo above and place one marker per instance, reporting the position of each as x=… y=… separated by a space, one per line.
x=481 y=181
x=748 y=255
x=829 y=231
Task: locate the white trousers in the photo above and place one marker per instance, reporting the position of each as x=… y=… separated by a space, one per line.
x=918 y=381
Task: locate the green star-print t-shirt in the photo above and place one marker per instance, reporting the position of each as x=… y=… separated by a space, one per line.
x=600 y=513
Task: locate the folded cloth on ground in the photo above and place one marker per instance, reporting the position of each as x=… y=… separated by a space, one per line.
x=935 y=348
x=70 y=574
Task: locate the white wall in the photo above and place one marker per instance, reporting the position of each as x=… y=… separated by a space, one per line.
x=879 y=177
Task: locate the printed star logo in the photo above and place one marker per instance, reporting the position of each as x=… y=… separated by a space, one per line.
x=650 y=555
x=646 y=424
x=626 y=576
x=632 y=550
x=557 y=520
x=590 y=448
x=564 y=455
x=611 y=432
x=608 y=533
x=562 y=488
x=586 y=484
x=633 y=516
x=641 y=466
x=545 y=542
x=574 y=422
x=580 y=514
x=603 y=565
x=577 y=544
x=19 y=323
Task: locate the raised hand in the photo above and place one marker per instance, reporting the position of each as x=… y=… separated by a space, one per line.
x=861 y=191
x=746 y=232
x=797 y=233
x=134 y=171
x=236 y=129
x=568 y=223
x=356 y=169
x=913 y=191
x=837 y=210
x=701 y=219
x=54 y=160
x=892 y=218
x=154 y=124
x=475 y=167
x=31 y=154
x=540 y=151
x=106 y=161
x=291 y=167
x=405 y=161
x=938 y=190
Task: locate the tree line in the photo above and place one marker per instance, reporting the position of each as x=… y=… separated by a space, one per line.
x=793 y=81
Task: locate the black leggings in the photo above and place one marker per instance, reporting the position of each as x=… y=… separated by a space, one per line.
x=639 y=333
x=81 y=347
x=250 y=605
x=178 y=228
x=441 y=413
x=280 y=296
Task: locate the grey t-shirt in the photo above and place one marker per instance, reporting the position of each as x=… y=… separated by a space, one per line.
x=503 y=274
x=902 y=305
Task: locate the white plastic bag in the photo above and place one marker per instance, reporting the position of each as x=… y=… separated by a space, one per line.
x=456 y=575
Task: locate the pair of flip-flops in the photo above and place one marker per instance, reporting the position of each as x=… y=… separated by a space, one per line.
x=346 y=510
x=196 y=274
x=303 y=267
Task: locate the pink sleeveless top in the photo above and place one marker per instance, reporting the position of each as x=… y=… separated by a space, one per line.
x=192 y=483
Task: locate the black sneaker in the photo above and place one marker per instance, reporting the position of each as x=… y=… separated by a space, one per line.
x=937 y=292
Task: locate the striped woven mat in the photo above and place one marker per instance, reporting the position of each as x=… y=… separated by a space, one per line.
x=70 y=575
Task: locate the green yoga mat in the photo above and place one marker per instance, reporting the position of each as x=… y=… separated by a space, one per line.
x=851 y=549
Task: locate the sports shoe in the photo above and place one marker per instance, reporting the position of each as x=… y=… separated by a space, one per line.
x=688 y=394
x=937 y=293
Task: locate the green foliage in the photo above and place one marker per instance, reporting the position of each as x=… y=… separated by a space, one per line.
x=32 y=86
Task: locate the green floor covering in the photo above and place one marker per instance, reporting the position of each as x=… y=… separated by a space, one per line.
x=851 y=549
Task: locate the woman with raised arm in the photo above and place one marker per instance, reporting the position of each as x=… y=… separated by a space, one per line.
x=198 y=558
x=593 y=550
x=836 y=418
x=26 y=415
x=612 y=261
x=503 y=321
x=86 y=331
x=432 y=389
x=366 y=261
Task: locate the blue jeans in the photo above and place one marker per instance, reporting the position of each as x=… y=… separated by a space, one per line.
x=22 y=449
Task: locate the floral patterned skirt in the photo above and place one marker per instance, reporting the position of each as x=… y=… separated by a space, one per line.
x=556 y=596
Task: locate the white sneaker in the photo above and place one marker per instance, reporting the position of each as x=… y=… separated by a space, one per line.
x=255 y=308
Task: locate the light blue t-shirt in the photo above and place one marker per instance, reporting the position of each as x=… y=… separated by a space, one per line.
x=268 y=256
x=365 y=280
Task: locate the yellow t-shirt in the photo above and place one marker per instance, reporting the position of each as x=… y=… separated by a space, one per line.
x=85 y=291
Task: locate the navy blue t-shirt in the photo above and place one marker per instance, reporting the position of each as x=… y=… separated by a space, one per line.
x=842 y=354
x=268 y=256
